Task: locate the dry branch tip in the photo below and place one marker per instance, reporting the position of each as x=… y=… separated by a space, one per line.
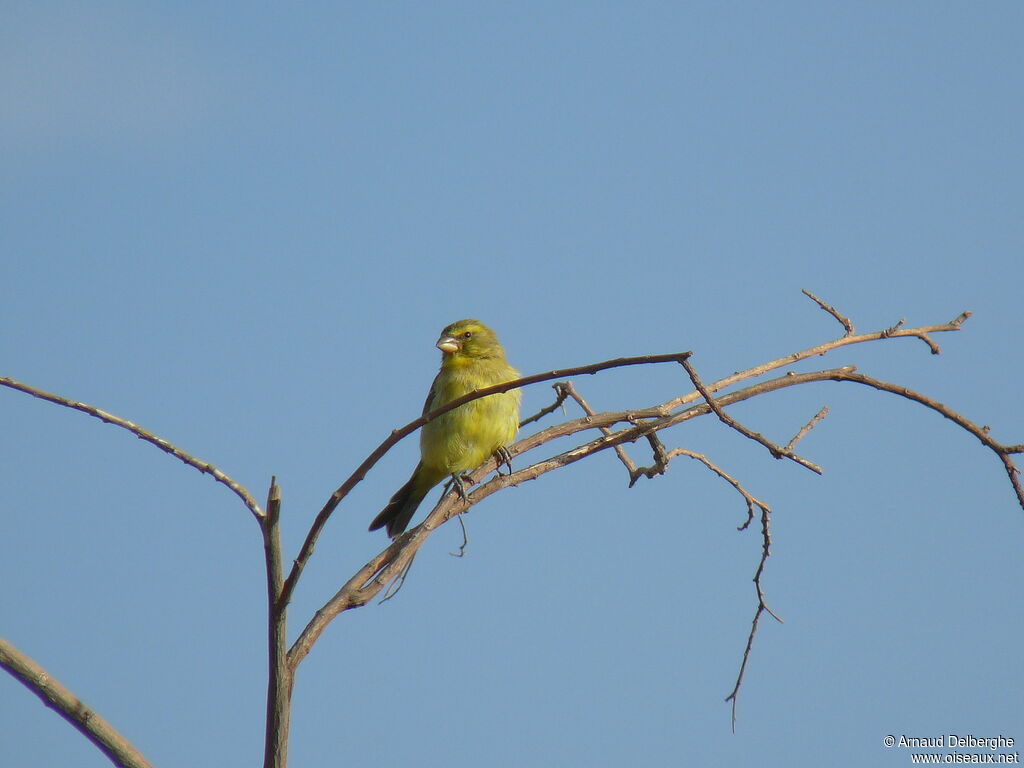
x=842 y=319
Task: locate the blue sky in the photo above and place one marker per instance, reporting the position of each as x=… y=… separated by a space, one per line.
x=242 y=226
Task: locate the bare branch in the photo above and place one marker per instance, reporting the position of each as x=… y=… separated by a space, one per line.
x=393 y=560
x=807 y=428
x=387 y=564
x=817 y=350
x=892 y=329
x=67 y=705
x=747 y=497
x=776 y=451
x=931 y=344
x=108 y=418
x=922 y=335
x=279 y=677
x=844 y=321
x=641 y=423
x=560 y=395
x=570 y=390
x=660 y=465
x=356 y=477
x=762 y=607
x=1002 y=451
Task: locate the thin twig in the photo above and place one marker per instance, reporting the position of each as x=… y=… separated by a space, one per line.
x=143 y=434
x=844 y=321
x=388 y=563
x=364 y=584
x=892 y=330
x=816 y=351
x=570 y=390
x=560 y=395
x=776 y=451
x=762 y=607
x=807 y=428
x=747 y=497
x=345 y=488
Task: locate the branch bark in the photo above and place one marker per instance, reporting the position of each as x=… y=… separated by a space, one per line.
x=279 y=675
x=67 y=705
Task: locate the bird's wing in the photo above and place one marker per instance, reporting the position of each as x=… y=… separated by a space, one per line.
x=428 y=405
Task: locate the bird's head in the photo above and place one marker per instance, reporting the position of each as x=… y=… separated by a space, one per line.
x=467 y=340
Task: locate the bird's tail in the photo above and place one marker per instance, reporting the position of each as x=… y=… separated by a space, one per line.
x=399 y=510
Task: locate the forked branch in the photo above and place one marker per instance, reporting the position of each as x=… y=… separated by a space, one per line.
x=646 y=422
x=615 y=429
x=356 y=477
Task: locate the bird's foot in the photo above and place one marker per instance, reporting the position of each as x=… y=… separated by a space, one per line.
x=503 y=458
x=459 y=482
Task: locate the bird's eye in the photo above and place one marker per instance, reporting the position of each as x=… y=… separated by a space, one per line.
x=467 y=335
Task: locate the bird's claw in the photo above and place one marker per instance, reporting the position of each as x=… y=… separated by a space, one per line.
x=502 y=457
x=459 y=481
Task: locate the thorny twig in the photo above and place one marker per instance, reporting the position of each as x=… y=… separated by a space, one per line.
x=762 y=607
x=560 y=395
x=661 y=462
x=776 y=451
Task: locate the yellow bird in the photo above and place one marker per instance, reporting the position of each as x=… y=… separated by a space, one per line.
x=462 y=439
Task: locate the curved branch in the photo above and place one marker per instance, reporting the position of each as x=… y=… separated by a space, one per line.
x=57 y=697
x=356 y=477
x=387 y=564
x=167 y=447
x=1002 y=451
x=777 y=451
x=820 y=349
x=366 y=583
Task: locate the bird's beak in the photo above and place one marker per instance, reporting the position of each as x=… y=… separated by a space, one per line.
x=447 y=344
